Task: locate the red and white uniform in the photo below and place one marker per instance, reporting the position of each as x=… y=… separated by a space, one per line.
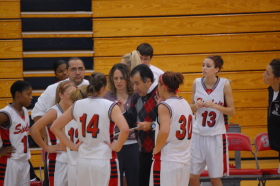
x=57 y=163
x=96 y=162
x=15 y=169
x=209 y=139
x=72 y=133
x=171 y=165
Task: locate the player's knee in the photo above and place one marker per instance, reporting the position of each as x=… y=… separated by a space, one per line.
x=216 y=181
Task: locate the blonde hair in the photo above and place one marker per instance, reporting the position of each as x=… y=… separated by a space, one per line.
x=79 y=93
x=62 y=86
x=132 y=60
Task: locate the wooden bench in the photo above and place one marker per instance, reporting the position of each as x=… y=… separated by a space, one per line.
x=11 y=68
x=128 y=8
x=192 y=63
x=9 y=9
x=62 y=34
x=10 y=49
x=196 y=44
x=186 y=25
x=10 y=29
x=67 y=14
x=75 y=53
x=47 y=73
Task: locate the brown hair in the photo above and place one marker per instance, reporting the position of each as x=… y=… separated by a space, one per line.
x=125 y=72
x=275 y=65
x=62 y=86
x=218 y=61
x=79 y=93
x=97 y=80
x=172 y=80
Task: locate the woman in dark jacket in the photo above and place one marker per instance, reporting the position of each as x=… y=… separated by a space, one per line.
x=272 y=78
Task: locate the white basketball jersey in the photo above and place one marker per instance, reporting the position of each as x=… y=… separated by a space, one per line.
x=209 y=121
x=72 y=133
x=53 y=140
x=178 y=145
x=16 y=133
x=94 y=126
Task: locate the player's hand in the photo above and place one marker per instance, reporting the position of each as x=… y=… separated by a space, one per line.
x=157 y=98
x=6 y=151
x=121 y=105
x=54 y=149
x=76 y=147
x=145 y=126
x=199 y=103
x=210 y=104
x=113 y=146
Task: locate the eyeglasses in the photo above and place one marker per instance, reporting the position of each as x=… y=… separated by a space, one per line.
x=80 y=69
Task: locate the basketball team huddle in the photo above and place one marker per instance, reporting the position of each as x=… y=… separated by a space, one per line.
x=130 y=123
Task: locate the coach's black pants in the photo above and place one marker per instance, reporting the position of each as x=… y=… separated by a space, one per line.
x=145 y=163
x=129 y=163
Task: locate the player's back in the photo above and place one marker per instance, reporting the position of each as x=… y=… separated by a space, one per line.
x=179 y=139
x=94 y=126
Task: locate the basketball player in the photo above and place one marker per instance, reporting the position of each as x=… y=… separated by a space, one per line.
x=14 y=122
x=97 y=164
x=212 y=101
x=57 y=157
x=71 y=130
x=172 y=151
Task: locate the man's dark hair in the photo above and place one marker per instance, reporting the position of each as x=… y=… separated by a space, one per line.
x=144 y=71
x=146 y=49
x=72 y=59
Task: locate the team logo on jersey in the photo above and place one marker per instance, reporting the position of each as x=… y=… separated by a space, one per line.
x=218 y=103
x=276 y=110
x=21 y=129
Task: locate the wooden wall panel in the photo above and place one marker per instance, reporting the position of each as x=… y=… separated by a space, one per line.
x=185 y=25
x=5 y=85
x=5 y=101
x=10 y=29
x=10 y=49
x=255 y=98
x=11 y=68
x=192 y=63
x=131 y=8
x=191 y=44
x=250 y=117
x=9 y=9
x=239 y=80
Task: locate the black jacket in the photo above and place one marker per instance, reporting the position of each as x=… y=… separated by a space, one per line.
x=273 y=120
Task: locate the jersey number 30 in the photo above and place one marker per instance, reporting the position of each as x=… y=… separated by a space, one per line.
x=91 y=127
x=181 y=134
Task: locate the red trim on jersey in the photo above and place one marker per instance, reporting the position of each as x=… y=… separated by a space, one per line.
x=51 y=170
x=3 y=165
x=5 y=136
x=156 y=171
x=225 y=156
x=114 y=175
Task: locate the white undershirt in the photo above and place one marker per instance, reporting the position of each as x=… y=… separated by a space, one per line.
x=275 y=94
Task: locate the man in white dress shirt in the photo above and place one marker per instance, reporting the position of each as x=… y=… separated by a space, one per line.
x=76 y=72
